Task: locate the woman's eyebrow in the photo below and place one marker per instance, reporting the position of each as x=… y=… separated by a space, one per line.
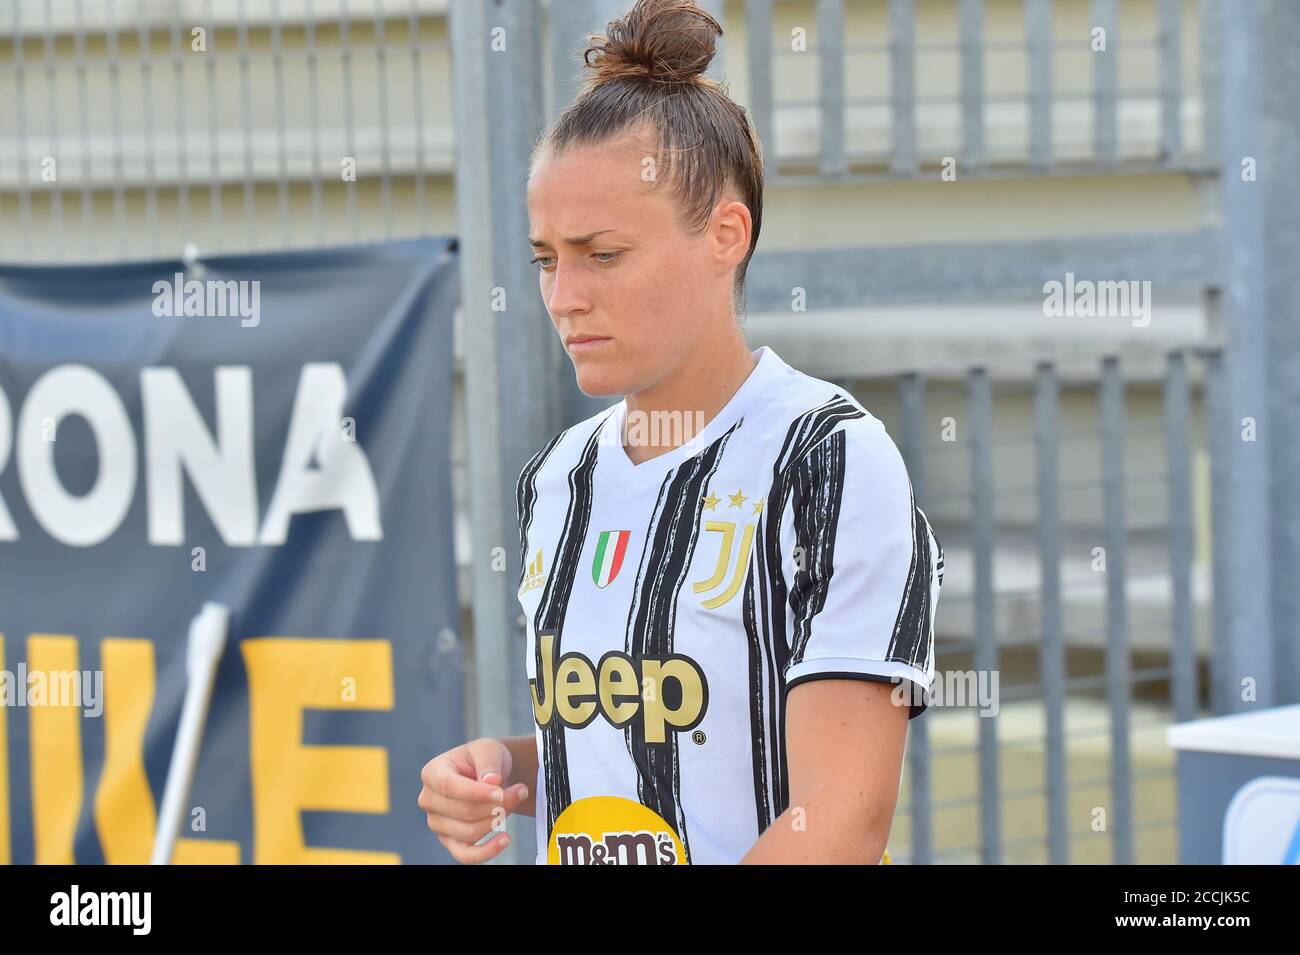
x=573 y=240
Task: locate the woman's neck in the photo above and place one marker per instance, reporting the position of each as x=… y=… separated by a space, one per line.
x=693 y=395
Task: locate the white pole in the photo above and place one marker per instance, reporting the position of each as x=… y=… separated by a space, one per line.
x=207 y=641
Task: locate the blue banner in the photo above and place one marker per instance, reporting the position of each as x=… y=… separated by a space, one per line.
x=269 y=433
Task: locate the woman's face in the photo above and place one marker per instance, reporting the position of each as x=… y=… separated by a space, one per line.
x=629 y=289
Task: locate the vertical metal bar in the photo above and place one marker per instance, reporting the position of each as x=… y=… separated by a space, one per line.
x=830 y=50
x=525 y=356
x=246 y=118
x=313 y=99
x=214 y=128
x=121 y=239
x=182 y=135
x=570 y=22
x=350 y=144
x=986 y=640
x=1179 y=464
x=83 y=115
x=758 y=24
x=1210 y=57
x=55 y=187
x=717 y=70
x=385 y=157
x=1280 y=75
x=1047 y=400
x=1220 y=439
x=902 y=40
x=144 y=36
x=1171 y=79
x=1038 y=35
x=493 y=614
x=1105 y=133
x=1257 y=224
x=911 y=397
x=20 y=123
x=1118 y=680
x=281 y=153
x=417 y=100
x=972 y=83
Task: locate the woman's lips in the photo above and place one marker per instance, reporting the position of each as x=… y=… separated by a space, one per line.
x=591 y=344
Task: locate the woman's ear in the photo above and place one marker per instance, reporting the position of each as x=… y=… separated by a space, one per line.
x=732 y=227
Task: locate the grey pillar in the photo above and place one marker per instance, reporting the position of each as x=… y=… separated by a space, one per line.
x=1250 y=33
x=496 y=58
x=1279 y=153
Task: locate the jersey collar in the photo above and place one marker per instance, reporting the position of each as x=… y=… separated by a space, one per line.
x=614 y=464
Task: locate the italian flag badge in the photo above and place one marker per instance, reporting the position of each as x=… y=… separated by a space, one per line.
x=610 y=549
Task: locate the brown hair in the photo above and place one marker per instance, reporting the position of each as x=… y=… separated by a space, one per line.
x=647 y=69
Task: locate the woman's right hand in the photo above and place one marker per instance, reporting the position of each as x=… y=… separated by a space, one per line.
x=465 y=799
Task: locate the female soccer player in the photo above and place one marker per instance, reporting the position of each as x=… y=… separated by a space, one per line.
x=729 y=589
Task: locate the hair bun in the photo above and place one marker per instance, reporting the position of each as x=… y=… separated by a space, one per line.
x=665 y=41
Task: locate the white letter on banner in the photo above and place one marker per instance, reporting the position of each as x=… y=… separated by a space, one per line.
x=343 y=479
x=87 y=520
x=8 y=532
x=176 y=439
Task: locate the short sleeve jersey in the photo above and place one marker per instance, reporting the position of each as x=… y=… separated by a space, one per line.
x=671 y=605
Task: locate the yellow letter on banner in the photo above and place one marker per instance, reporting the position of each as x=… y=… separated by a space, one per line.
x=285 y=676
x=57 y=777
x=124 y=808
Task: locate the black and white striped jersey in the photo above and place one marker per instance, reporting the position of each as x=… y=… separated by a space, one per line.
x=671 y=604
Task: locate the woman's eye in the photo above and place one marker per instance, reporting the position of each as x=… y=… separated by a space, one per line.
x=604 y=258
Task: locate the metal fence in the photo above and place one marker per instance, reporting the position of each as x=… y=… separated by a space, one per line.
x=135 y=128
x=1168 y=635
x=910 y=78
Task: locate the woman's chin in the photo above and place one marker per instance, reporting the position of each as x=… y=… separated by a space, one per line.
x=599 y=382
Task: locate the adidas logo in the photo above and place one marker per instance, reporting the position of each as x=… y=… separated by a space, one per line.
x=535 y=576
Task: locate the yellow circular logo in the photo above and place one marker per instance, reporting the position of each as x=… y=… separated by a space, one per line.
x=610 y=830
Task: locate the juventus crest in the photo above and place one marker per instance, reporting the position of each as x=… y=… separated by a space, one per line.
x=733 y=554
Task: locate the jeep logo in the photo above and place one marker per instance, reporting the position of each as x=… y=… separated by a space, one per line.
x=620 y=688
